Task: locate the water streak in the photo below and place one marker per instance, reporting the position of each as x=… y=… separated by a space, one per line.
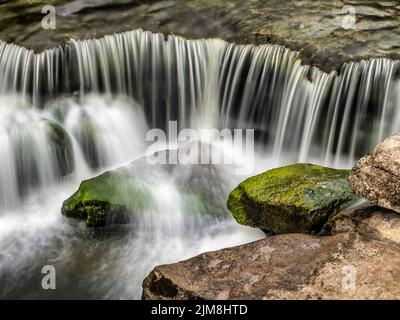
x=71 y=112
x=296 y=109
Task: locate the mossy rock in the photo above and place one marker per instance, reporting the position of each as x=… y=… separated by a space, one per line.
x=295 y=198
x=121 y=195
x=113 y=197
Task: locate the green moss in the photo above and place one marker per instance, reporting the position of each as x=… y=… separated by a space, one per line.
x=236 y=205
x=120 y=195
x=113 y=196
x=295 y=198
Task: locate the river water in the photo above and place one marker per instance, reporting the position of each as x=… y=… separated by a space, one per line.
x=69 y=114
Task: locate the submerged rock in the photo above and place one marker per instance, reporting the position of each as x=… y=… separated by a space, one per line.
x=42 y=151
x=108 y=198
x=120 y=195
x=86 y=135
x=61 y=148
x=376 y=176
x=295 y=198
x=362 y=263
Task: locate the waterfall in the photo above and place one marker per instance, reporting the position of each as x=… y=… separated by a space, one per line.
x=69 y=113
x=108 y=131
x=35 y=151
x=329 y=118
x=295 y=108
x=299 y=112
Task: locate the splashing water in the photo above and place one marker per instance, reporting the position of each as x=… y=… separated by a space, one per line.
x=68 y=114
x=33 y=233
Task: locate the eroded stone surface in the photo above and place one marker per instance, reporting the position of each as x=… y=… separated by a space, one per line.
x=358 y=262
x=370 y=221
x=376 y=176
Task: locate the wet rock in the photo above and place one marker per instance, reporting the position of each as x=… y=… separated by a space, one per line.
x=85 y=133
x=295 y=198
x=60 y=146
x=315 y=28
x=108 y=198
x=376 y=176
x=120 y=195
x=57 y=148
x=362 y=263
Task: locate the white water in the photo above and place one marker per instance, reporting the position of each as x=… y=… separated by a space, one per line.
x=89 y=89
x=113 y=262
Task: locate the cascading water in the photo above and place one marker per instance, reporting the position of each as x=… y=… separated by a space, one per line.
x=71 y=112
x=301 y=111
x=297 y=108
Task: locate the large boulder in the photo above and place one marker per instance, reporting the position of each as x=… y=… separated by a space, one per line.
x=360 y=261
x=295 y=198
x=376 y=176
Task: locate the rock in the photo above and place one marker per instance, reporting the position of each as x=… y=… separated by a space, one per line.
x=120 y=195
x=86 y=136
x=83 y=129
x=314 y=28
x=376 y=176
x=57 y=146
x=370 y=221
x=295 y=198
x=108 y=198
x=61 y=146
x=359 y=264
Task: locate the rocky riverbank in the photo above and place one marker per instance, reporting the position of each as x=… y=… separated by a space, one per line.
x=359 y=263
x=326 y=244
x=324 y=32
x=356 y=258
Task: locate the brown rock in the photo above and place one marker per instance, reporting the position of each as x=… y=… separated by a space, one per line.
x=372 y=222
x=362 y=263
x=376 y=176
